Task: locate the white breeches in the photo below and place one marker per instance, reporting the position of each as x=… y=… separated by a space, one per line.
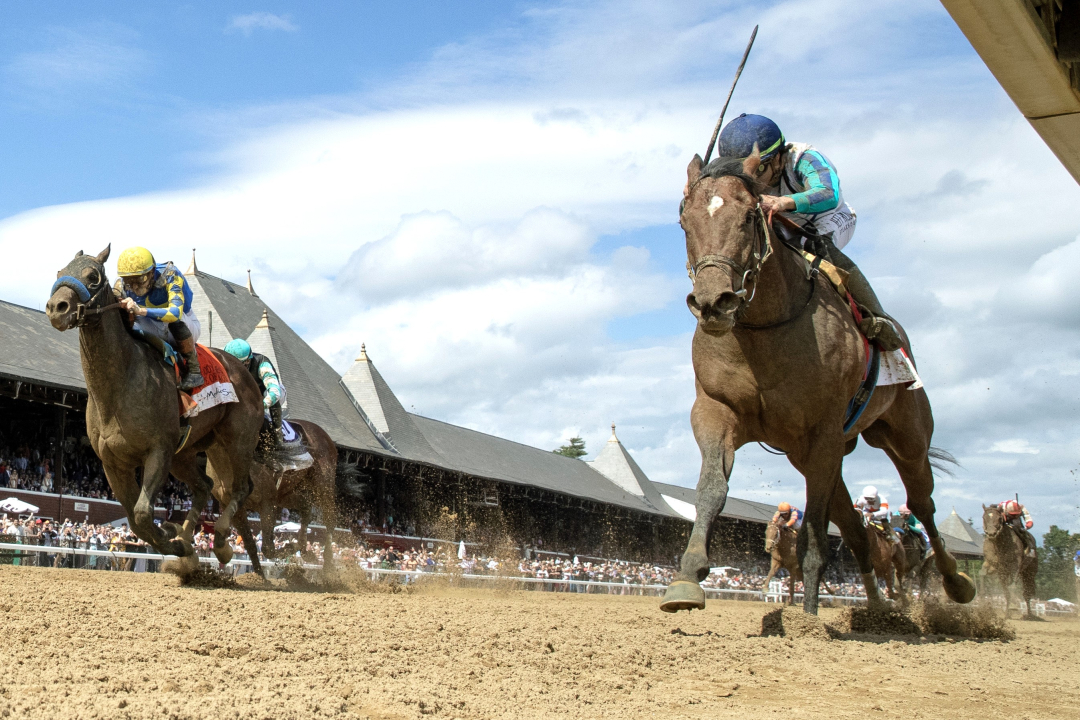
x=161 y=330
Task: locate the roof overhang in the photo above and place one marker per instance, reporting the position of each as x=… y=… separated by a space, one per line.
x=1033 y=50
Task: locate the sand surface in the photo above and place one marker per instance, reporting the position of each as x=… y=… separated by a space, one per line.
x=81 y=644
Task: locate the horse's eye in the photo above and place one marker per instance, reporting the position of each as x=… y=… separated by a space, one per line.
x=92 y=277
x=749 y=217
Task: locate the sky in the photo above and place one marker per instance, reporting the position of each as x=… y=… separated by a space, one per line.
x=486 y=195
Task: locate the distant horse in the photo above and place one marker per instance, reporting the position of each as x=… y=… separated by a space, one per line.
x=780 y=543
x=888 y=558
x=133 y=415
x=777 y=357
x=918 y=568
x=299 y=490
x=1004 y=558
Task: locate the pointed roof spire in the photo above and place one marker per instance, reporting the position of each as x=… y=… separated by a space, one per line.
x=616 y=464
x=250 y=288
x=362 y=357
x=264 y=321
x=613 y=436
x=192 y=268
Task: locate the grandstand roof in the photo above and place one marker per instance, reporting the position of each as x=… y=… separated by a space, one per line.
x=32 y=349
x=493 y=457
x=615 y=463
x=736 y=508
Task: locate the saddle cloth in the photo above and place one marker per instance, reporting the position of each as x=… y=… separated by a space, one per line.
x=216 y=388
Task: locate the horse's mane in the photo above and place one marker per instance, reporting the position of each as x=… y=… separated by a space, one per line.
x=723 y=167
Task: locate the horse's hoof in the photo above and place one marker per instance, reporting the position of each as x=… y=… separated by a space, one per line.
x=683 y=595
x=223 y=554
x=959 y=587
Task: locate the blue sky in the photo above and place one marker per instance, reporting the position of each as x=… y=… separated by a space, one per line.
x=485 y=194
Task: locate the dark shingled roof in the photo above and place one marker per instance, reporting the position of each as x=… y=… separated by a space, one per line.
x=32 y=349
x=492 y=457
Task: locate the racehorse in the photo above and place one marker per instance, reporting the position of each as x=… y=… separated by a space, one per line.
x=300 y=490
x=919 y=568
x=1004 y=557
x=888 y=558
x=777 y=357
x=780 y=544
x=133 y=415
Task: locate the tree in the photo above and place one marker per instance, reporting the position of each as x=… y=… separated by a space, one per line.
x=575 y=449
x=1055 y=578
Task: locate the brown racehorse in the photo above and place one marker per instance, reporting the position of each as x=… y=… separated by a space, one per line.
x=888 y=558
x=299 y=490
x=777 y=357
x=780 y=543
x=133 y=415
x=1003 y=550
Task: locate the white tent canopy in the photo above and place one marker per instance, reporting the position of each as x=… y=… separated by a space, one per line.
x=17 y=506
x=288 y=527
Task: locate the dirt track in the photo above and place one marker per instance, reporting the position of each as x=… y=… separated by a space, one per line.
x=118 y=645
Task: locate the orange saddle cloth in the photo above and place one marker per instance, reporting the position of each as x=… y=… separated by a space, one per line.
x=217 y=388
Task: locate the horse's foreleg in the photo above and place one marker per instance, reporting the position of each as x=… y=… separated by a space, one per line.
x=712 y=423
x=820 y=462
x=243 y=526
x=773 y=568
x=155 y=472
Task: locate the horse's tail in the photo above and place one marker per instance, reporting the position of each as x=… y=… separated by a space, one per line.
x=349 y=480
x=942 y=460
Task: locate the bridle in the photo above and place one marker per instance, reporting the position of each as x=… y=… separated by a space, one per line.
x=997 y=531
x=85 y=308
x=749 y=272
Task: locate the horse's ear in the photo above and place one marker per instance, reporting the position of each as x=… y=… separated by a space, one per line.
x=751 y=164
x=104 y=254
x=78 y=254
x=693 y=170
x=984 y=507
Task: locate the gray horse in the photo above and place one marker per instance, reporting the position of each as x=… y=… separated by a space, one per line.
x=133 y=415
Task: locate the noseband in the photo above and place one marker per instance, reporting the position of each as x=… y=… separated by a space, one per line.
x=749 y=271
x=83 y=309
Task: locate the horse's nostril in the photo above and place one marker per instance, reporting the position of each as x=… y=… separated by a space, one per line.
x=61 y=307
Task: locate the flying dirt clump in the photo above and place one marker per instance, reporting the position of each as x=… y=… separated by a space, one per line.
x=977 y=622
x=199 y=576
x=874 y=621
x=792 y=622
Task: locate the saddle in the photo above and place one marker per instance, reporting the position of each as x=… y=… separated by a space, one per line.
x=292 y=455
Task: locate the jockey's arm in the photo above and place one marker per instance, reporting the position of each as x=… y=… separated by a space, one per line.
x=270 y=381
x=174 y=285
x=822 y=184
x=794 y=519
x=1027 y=518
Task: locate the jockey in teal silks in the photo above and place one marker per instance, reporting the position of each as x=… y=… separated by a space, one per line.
x=160 y=299
x=803 y=184
x=266 y=376
x=909 y=524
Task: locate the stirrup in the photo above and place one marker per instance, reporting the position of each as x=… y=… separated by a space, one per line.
x=191 y=381
x=882 y=331
x=185 y=433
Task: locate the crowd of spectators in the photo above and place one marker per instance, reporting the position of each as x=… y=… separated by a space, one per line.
x=555 y=573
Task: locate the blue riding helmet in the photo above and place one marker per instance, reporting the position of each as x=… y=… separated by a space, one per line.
x=239 y=349
x=738 y=138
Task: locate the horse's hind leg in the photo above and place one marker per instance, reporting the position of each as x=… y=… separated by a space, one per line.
x=904 y=434
x=820 y=462
x=186 y=469
x=244 y=528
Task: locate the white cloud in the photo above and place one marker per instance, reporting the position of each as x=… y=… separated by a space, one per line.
x=1015 y=446
x=73 y=61
x=454 y=229
x=247 y=24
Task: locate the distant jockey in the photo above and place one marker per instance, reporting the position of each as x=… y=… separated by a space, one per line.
x=788 y=516
x=909 y=523
x=266 y=376
x=160 y=299
x=1017 y=516
x=874 y=507
x=803 y=184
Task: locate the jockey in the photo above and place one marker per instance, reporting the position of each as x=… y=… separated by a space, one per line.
x=160 y=299
x=909 y=523
x=803 y=184
x=874 y=507
x=266 y=376
x=1017 y=516
x=788 y=516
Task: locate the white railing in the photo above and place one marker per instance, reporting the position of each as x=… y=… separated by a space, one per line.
x=564 y=584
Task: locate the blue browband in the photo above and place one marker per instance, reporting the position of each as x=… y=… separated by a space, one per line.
x=75 y=284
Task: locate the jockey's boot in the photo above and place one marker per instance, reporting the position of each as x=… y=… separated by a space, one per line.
x=185 y=343
x=275 y=423
x=876 y=324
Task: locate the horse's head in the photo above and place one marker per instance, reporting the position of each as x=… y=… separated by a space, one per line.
x=992 y=520
x=80 y=286
x=726 y=239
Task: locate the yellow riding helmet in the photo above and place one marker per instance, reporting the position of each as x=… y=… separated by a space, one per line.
x=134 y=261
